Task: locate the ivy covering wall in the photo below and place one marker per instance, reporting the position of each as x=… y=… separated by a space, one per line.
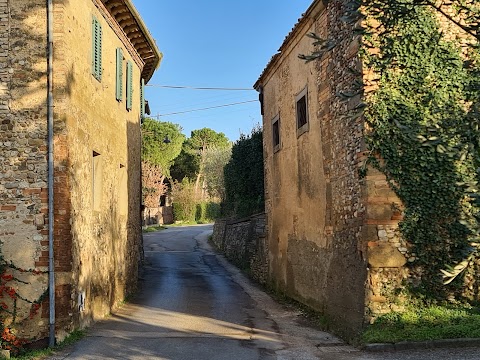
x=422 y=132
x=420 y=91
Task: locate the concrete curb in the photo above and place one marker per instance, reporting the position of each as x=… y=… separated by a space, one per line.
x=418 y=345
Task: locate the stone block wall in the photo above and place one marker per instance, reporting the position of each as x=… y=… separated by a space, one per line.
x=98 y=154
x=218 y=236
x=343 y=148
x=23 y=160
x=243 y=242
x=386 y=251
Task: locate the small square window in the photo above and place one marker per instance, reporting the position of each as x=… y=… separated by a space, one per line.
x=302 y=111
x=276 y=133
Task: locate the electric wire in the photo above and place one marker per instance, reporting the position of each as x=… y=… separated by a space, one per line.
x=199 y=88
x=203 y=109
x=194 y=102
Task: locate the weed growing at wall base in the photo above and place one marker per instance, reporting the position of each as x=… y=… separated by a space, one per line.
x=71 y=339
x=419 y=324
x=154 y=228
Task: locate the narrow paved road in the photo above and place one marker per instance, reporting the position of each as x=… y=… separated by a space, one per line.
x=193 y=305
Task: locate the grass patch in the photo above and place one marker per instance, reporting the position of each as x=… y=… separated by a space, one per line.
x=430 y=323
x=188 y=223
x=72 y=338
x=153 y=228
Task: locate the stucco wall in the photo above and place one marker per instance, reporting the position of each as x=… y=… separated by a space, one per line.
x=315 y=200
x=105 y=236
x=295 y=181
x=333 y=234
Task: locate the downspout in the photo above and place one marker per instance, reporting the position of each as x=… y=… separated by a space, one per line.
x=51 y=263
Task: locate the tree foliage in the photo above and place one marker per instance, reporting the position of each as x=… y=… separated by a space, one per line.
x=154 y=150
x=205 y=138
x=214 y=164
x=192 y=159
x=186 y=165
x=244 y=177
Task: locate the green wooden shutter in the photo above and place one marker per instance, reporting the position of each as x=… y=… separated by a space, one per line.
x=142 y=99
x=119 y=73
x=96 y=49
x=129 y=85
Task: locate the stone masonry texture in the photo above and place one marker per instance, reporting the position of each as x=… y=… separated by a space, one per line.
x=243 y=242
x=96 y=154
x=332 y=235
x=23 y=154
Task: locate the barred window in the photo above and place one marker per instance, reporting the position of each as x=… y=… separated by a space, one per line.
x=302 y=111
x=276 y=133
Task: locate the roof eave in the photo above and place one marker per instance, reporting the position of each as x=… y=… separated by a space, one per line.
x=312 y=11
x=148 y=37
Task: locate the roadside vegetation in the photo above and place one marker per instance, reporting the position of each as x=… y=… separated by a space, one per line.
x=425 y=323
x=42 y=354
x=244 y=177
x=186 y=171
x=153 y=228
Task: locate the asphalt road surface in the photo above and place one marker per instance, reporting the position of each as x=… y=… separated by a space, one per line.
x=193 y=305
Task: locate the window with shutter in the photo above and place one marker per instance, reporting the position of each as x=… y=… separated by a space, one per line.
x=129 y=85
x=119 y=74
x=96 y=49
x=142 y=99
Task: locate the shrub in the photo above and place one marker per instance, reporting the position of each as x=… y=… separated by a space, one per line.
x=244 y=189
x=207 y=212
x=183 y=196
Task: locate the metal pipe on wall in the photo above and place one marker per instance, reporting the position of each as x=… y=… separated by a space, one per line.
x=51 y=263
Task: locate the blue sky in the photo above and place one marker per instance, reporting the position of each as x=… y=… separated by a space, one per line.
x=214 y=43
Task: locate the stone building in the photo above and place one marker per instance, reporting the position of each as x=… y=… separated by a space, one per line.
x=331 y=235
x=102 y=56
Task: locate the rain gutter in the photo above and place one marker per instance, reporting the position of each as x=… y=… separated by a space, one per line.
x=51 y=263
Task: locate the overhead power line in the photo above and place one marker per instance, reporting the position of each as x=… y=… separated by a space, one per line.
x=202 y=109
x=199 y=88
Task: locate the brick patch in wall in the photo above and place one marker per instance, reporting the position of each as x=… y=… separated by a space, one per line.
x=8 y=207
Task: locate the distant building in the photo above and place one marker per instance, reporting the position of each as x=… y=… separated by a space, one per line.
x=102 y=56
